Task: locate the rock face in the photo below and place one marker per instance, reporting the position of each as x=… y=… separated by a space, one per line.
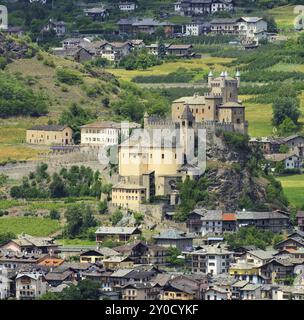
x=230 y=181
x=13 y=49
x=229 y=186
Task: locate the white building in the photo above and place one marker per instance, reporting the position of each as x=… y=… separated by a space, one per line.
x=221 y=5
x=105 y=134
x=5 y=284
x=127 y=6
x=252 y=29
x=217 y=293
x=212 y=260
x=30 y=286
x=196 y=29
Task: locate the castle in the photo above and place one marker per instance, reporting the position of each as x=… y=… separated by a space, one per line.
x=151 y=163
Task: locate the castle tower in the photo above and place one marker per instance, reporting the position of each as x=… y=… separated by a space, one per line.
x=187 y=137
x=238 y=78
x=210 y=78
x=146 y=119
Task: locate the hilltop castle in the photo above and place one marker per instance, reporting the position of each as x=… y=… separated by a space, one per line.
x=151 y=167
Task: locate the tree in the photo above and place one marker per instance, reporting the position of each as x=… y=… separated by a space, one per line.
x=54 y=214
x=173 y=259
x=161 y=48
x=102 y=207
x=79 y=220
x=57 y=187
x=286 y=105
x=116 y=217
x=5 y=237
x=287 y=127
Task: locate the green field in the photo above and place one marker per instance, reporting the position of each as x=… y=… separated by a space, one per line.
x=30 y=225
x=206 y=63
x=294 y=189
x=284 y=16
x=76 y=242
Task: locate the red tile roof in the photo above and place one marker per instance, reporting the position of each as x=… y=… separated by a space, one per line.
x=229 y=217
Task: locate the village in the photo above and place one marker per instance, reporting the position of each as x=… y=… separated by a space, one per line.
x=206 y=267
x=153 y=153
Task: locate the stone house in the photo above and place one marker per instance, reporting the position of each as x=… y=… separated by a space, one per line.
x=289 y=161
x=142 y=253
x=275 y=221
x=50 y=135
x=300 y=220
x=174 y=238
x=30 y=286
x=210 y=259
x=141 y=291
x=119 y=233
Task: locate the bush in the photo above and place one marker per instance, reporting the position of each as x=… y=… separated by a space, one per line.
x=54 y=215
x=68 y=76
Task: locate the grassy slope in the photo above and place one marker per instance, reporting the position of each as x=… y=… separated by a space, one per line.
x=166 y=68
x=284 y=16
x=30 y=225
x=294 y=189
x=13 y=130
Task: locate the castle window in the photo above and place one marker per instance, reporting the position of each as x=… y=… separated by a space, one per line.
x=163 y=156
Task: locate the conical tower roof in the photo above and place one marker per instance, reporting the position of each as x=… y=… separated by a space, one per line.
x=187 y=114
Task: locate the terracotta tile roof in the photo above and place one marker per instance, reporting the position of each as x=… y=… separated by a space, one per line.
x=229 y=217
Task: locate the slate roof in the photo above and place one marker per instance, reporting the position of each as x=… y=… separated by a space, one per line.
x=52 y=127
x=116 y=230
x=173 y=234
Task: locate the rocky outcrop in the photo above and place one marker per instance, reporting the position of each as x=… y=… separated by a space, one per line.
x=14 y=49
x=229 y=187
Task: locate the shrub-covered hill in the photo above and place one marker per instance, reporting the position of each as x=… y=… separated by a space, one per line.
x=62 y=82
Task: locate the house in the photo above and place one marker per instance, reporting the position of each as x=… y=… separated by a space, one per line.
x=50 y=135
x=115 y=51
x=204 y=222
x=118 y=262
x=50 y=261
x=141 y=291
x=210 y=259
x=174 y=238
x=247 y=265
x=196 y=28
x=59 y=27
x=144 y=25
x=12 y=260
x=127 y=6
x=225 y=26
x=246 y=271
x=98 y=13
x=5 y=283
x=30 y=244
x=59 y=275
x=177 y=292
x=142 y=253
x=180 y=50
x=280 y=270
x=252 y=29
x=291 y=243
x=128 y=196
x=30 y=286
x=275 y=221
x=104 y=134
x=251 y=292
x=300 y=220
x=119 y=233
x=98 y=255
x=217 y=293
x=295 y=144
x=236 y=289
x=198 y=283
x=289 y=161
x=229 y=222
x=194 y=8
x=268 y=145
